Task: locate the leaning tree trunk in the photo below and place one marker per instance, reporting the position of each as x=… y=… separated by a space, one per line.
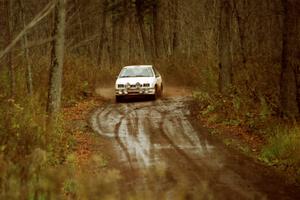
x=57 y=59
x=288 y=80
x=225 y=62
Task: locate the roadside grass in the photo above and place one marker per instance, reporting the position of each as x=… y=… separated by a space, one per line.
x=242 y=123
x=27 y=152
x=33 y=163
x=283 y=146
x=36 y=165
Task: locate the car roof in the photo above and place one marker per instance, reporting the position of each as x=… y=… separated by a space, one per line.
x=136 y=66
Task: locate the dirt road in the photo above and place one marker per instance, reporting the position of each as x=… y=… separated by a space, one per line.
x=165 y=154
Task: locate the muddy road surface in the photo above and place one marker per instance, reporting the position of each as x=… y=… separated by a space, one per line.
x=164 y=153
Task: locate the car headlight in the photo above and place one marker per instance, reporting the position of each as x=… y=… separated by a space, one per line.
x=120 y=85
x=146 y=85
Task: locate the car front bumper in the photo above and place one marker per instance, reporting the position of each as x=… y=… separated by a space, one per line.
x=135 y=92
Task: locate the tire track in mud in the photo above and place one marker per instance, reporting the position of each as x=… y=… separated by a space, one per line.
x=153 y=134
x=159 y=123
x=134 y=123
x=181 y=152
x=123 y=147
x=96 y=121
x=132 y=131
x=199 y=171
x=130 y=128
x=184 y=128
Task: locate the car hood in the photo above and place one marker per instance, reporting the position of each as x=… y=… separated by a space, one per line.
x=134 y=80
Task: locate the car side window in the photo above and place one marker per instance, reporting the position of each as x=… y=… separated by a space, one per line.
x=156 y=72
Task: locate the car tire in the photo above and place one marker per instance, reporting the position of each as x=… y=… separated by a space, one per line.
x=161 y=90
x=156 y=93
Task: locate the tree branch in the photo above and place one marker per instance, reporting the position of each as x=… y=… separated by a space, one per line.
x=47 y=9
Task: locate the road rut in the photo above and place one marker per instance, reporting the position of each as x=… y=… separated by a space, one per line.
x=171 y=155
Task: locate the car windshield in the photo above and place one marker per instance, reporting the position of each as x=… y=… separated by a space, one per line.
x=136 y=72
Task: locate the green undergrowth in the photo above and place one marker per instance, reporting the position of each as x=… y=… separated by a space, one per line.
x=35 y=164
x=283 y=148
x=230 y=110
x=26 y=150
x=282 y=140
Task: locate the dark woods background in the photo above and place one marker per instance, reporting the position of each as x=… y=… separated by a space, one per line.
x=241 y=56
x=247 y=47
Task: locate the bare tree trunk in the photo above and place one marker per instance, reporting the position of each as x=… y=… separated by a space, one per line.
x=156 y=29
x=175 y=26
x=131 y=38
x=57 y=59
x=241 y=31
x=225 y=62
x=103 y=33
x=140 y=21
x=41 y=15
x=288 y=79
x=169 y=39
x=26 y=52
x=298 y=84
x=120 y=38
x=122 y=23
x=81 y=28
x=11 y=70
x=113 y=56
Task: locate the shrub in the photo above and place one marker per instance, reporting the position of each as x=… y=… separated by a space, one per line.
x=283 y=146
x=82 y=76
x=27 y=153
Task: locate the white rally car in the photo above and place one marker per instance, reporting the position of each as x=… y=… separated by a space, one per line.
x=139 y=80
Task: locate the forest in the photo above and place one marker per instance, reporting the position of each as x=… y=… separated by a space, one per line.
x=240 y=59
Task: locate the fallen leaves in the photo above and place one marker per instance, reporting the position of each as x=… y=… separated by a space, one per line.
x=83 y=150
x=84 y=142
x=239 y=133
x=80 y=110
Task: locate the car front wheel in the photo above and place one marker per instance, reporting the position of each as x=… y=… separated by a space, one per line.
x=156 y=94
x=161 y=90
